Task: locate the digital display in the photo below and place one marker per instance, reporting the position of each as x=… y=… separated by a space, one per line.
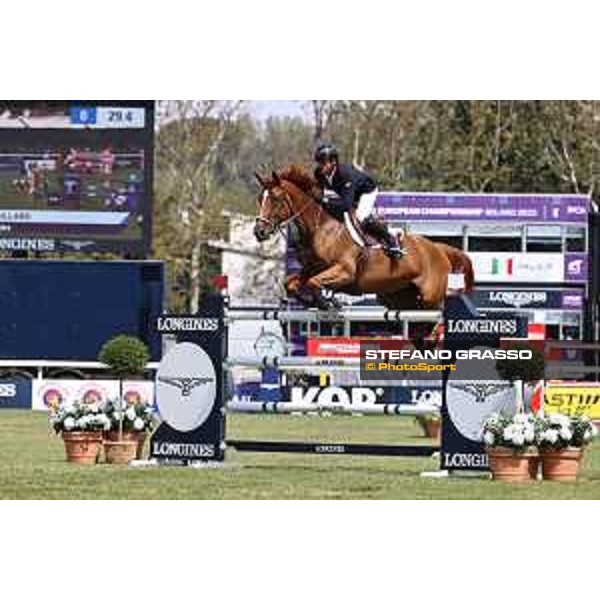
x=76 y=176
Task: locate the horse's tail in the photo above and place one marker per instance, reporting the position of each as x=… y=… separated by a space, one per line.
x=461 y=263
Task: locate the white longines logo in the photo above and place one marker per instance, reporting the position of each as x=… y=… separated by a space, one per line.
x=186 y=387
x=186 y=384
x=480 y=391
x=518 y=299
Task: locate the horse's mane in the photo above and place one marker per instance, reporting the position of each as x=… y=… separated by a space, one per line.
x=301 y=177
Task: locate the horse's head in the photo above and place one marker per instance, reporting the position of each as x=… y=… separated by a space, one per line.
x=275 y=207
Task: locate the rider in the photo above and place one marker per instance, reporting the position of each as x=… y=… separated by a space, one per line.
x=354 y=189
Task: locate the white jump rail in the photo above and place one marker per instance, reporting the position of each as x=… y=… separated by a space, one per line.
x=347 y=314
x=293 y=362
x=412 y=410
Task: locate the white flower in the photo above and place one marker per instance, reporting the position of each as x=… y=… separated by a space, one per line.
x=529 y=435
x=507 y=434
x=565 y=434
x=559 y=419
x=138 y=424
x=130 y=413
x=69 y=423
x=117 y=415
x=518 y=439
x=102 y=421
x=488 y=438
x=521 y=419
x=551 y=435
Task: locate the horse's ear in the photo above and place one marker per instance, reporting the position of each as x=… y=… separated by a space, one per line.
x=276 y=178
x=260 y=180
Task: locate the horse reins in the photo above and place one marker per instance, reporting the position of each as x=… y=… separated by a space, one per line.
x=279 y=227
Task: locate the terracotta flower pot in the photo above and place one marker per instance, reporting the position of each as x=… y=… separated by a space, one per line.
x=508 y=465
x=119 y=452
x=561 y=465
x=139 y=437
x=82 y=447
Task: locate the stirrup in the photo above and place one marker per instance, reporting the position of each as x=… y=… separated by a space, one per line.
x=396 y=252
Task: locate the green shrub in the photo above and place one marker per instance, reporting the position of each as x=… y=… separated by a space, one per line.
x=125 y=355
x=522 y=370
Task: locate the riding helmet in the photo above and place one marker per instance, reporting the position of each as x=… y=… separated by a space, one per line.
x=325 y=152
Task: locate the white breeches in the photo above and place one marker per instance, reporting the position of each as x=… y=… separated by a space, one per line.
x=366 y=205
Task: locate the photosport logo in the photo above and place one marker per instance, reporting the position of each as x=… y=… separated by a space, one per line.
x=186 y=387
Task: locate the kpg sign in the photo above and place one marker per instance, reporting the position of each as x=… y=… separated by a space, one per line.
x=337 y=395
x=422 y=395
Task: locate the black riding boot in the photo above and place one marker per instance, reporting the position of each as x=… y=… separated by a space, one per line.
x=379 y=231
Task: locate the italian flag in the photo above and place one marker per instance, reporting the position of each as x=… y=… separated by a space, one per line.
x=497 y=266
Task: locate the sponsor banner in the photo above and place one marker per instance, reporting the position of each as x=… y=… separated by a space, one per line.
x=49 y=394
x=337 y=346
x=15 y=392
x=190 y=387
x=523 y=298
x=576 y=266
x=29 y=244
x=542 y=267
x=358 y=395
x=489 y=207
x=573 y=400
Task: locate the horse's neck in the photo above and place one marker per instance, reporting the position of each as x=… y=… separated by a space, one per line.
x=309 y=216
x=322 y=237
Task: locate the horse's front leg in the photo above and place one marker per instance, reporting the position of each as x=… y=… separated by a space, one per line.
x=330 y=279
x=294 y=283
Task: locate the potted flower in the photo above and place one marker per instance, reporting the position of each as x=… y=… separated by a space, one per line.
x=561 y=440
x=81 y=425
x=127 y=357
x=509 y=442
x=135 y=418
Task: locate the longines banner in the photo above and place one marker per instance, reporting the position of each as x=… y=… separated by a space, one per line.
x=49 y=394
x=474 y=392
x=15 y=392
x=528 y=298
x=190 y=387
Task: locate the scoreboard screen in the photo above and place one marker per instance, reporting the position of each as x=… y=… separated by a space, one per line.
x=76 y=176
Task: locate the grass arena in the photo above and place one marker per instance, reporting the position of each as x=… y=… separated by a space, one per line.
x=35 y=467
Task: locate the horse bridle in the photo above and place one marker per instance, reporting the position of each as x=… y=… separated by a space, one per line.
x=280 y=226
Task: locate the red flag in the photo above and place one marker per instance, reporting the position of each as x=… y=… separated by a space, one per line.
x=537 y=398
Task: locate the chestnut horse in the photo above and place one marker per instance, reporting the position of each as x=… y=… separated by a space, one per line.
x=333 y=262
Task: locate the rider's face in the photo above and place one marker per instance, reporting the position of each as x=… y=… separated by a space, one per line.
x=327 y=167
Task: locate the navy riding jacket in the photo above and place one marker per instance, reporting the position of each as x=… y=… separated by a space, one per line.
x=349 y=184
